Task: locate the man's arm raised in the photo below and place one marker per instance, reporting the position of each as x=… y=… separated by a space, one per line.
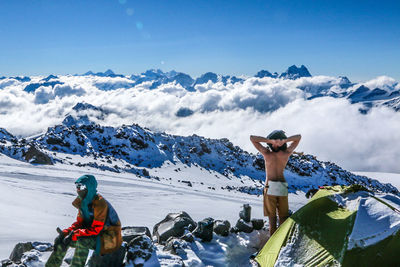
x=295 y=139
x=256 y=140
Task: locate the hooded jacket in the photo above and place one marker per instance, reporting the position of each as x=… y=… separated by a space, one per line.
x=96 y=217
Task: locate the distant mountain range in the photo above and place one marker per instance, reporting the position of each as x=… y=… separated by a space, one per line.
x=341 y=87
x=131 y=148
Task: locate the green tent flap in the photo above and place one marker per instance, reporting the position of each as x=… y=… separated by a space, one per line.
x=310 y=224
x=317 y=235
x=268 y=255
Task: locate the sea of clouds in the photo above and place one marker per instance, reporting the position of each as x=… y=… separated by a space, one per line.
x=333 y=129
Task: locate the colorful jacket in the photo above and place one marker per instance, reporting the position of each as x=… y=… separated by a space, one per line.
x=105 y=223
x=101 y=219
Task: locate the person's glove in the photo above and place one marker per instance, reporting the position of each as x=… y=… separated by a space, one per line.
x=59 y=239
x=67 y=240
x=62 y=240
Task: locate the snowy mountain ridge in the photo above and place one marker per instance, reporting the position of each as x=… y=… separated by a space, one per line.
x=382 y=91
x=133 y=149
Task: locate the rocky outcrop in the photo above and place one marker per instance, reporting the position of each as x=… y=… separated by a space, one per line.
x=204 y=229
x=174 y=225
x=222 y=227
x=245 y=213
x=131 y=232
x=140 y=250
x=35 y=156
x=177 y=235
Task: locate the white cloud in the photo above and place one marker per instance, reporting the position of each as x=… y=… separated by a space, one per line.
x=382 y=82
x=332 y=129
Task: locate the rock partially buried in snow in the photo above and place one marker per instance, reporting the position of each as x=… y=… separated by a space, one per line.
x=245 y=213
x=114 y=259
x=204 y=229
x=243 y=226
x=174 y=224
x=258 y=224
x=130 y=232
x=140 y=249
x=19 y=250
x=222 y=227
x=34 y=156
x=31 y=258
x=7 y=262
x=176 y=246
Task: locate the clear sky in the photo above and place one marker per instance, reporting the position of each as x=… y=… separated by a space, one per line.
x=359 y=39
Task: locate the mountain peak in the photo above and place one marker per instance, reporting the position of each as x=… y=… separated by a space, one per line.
x=109 y=72
x=293 y=72
x=84 y=106
x=265 y=73
x=88 y=73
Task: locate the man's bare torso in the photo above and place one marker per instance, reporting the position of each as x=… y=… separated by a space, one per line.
x=275 y=163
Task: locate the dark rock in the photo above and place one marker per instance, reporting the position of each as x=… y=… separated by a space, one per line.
x=176 y=246
x=19 y=250
x=245 y=213
x=130 y=232
x=205 y=148
x=188 y=237
x=234 y=230
x=7 y=263
x=311 y=192
x=189 y=183
x=258 y=224
x=33 y=155
x=145 y=173
x=222 y=227
x=174 y=224
x=243 y=226
x=140 y=247
x=204 y=229
x=114 y=259
x=30 y=258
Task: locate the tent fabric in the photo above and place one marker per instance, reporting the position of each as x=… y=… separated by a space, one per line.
x=318 y=234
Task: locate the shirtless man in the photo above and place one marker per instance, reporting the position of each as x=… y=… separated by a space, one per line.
x=276 y=156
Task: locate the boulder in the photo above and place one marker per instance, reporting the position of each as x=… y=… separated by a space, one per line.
x=188 y=237
x=243 y=226
x=130 y=232
x=7 y=263
x=245 y=213
x=258 y=224
x=19 y=250
x=31 y=258
x=140 y=249
x=33 y=155
x=204 y=229
x=174 y=224
x=222 y=227
x=114 y=259
x=176 y=246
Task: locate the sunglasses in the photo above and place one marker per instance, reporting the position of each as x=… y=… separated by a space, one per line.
x=80 y=186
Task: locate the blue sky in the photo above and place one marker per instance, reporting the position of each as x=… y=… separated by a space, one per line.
x=359 y=39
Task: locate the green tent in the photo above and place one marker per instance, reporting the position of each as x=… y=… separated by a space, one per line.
x=340 y=226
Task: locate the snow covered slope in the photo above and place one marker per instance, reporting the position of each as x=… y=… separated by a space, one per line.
x=145 y=175
x=37 y=199
x=138 y=150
